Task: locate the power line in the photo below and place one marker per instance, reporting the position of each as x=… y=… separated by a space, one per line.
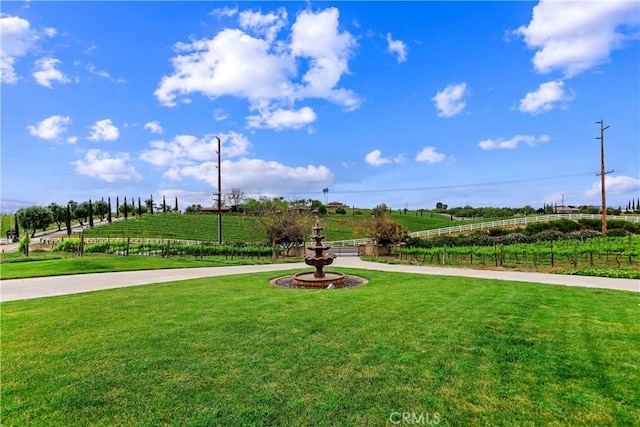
x=438 y=187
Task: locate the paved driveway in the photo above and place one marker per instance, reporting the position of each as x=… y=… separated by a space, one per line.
x=19 y=289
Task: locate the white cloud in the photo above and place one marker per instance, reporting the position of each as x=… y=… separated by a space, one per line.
x=50 y=128
x=282 y=119
x=224 y=12
x=253 y=175
x=267 y=25
x=101 y=73
x=50 y=32
x=98 y=164
x=614 y=185
x=104 y=130
x=430 y=155
x=17 y=38
x=397 y=47
x=46 y=72
x=545 y=98
x=575 y=36
x=316 y=36
x=232 y=63
x=510 y=144
x=188 y=149
x=254 y=65
x=219 y=115
x=375 y=158
x=154 y=127
x=72 y=139
x=450 y=101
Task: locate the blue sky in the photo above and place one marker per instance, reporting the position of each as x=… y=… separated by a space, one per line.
x=407 y=103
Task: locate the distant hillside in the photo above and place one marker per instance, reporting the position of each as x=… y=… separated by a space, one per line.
x=245 y=228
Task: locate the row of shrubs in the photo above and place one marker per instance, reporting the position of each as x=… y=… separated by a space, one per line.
x=506 y=237
x=166 y=248
x=617 y=227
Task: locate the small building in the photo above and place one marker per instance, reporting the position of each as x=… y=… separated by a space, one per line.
x=337 y=205
x=566 y=210
x=214 y=209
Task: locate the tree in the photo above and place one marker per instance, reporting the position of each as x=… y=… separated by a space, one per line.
x=15 y=219
x=68 y=219
x=193 y=209
x=326 y=192
x=175 y=209
x=164 y=205
x=282 y=226
x=34 y=218
x=142 y=209
x=109 y=210
x=90 y=214
x=439 y=205
x=235 y=197
x=81 y=212
x=117 y=207
x=383 y=229
x=125 y=209
x=527 y=210
x=101 y=208
x=149 y=203
x=252 y=206
x=59 y=214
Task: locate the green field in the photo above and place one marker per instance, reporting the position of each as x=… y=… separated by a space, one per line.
x=246 y=228
x=235 y=351
x=7 y=224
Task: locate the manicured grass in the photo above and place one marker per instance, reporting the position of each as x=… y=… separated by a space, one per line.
x=15 y=266
x=235 y=351
x=6 y=223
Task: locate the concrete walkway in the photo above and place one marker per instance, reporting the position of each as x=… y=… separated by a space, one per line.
x=20 y=289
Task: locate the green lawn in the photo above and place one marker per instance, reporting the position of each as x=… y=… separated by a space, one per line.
x=6 y=223
x=236 y=351
x=15 y=266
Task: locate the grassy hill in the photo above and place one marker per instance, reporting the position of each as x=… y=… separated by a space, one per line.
x=244 y=228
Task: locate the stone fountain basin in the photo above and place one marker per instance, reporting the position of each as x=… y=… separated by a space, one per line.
x=307 y=279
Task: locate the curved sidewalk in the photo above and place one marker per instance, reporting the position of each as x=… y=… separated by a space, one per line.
x=20 y=289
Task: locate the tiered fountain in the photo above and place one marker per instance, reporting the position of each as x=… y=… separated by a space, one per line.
x=318 y=278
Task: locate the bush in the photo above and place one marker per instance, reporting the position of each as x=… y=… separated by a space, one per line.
x=69 y=245
x=514 y=238
x=616 y=232
x=341 y=211
x=624 y=225
x=497 y=232
x=584 y=234
x=23 y=246
x=547 y=235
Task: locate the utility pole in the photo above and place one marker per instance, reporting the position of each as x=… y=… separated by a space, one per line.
x=219 y=195
x=602 y=174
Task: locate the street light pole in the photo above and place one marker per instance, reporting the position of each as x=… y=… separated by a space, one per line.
x=219 y=195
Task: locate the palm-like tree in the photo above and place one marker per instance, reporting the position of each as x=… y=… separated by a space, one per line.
x=325 y=191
